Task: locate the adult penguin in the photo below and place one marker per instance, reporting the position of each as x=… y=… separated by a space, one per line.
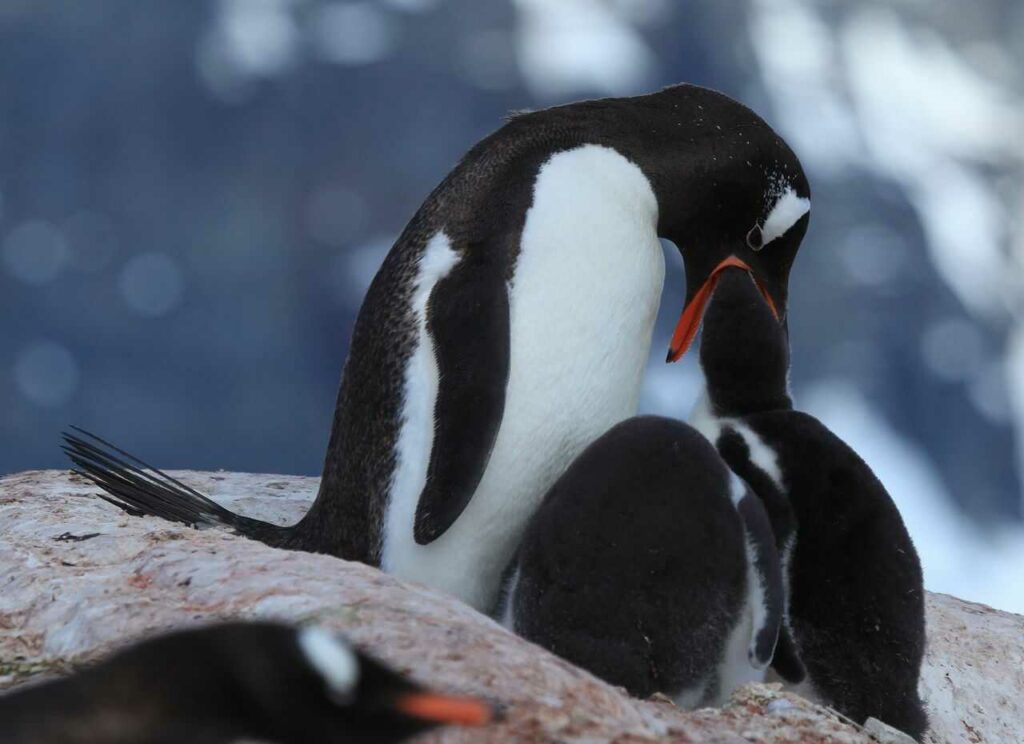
x=856 y=595
x=510 y=325
x=231 y=682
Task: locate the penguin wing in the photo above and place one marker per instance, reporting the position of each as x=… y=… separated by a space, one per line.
x=468 y=321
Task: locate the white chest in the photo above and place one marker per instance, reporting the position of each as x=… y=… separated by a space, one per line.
x=583 y=301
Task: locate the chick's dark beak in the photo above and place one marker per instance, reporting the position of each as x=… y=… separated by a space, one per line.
x=693 y=311
x=446 y=709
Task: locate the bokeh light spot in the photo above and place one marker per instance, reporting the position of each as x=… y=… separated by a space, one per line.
x=353 y=33
x=952 y=349
x=35 y=252
x=873 y=255
x=151 y=284
x=46 y=373
x=353 y=269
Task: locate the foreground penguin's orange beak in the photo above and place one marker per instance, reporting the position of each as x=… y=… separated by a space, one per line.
x=446 y=709
x=689 y=321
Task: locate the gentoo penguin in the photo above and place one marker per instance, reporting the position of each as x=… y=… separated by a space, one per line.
x=221 y=684
x=856 y=599
x=652 y=566
x=510 y=324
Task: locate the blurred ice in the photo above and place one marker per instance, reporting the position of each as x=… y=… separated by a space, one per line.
x=929 y=101
x=957 y=556
x=353 y=33
x=35 y=252
x=989 y=392
x=568 y=47
x=151 y=284
x=1015 y=391
x=248 y=39
x=413 y=6
x=259 y=35
x=873 y=255
x=46 y=373
x=800 y=67
x=867 y=89
x=642 y=12
x=952 y=348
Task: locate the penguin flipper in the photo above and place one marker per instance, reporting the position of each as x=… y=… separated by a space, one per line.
x=468 y=321
x=763 y=554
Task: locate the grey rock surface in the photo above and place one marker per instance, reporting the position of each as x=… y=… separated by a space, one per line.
x=79 y=577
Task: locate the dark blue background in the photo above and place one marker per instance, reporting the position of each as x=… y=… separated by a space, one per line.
x=194 y=195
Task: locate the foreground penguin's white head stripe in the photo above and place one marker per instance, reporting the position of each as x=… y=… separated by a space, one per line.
x=334 y=660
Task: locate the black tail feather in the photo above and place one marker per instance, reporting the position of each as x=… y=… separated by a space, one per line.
x=141 y=489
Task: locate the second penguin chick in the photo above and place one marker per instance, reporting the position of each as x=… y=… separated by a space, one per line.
x=856 y=597
x=653 y=567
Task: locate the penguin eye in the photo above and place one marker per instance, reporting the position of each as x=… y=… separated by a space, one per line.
x=755 y=239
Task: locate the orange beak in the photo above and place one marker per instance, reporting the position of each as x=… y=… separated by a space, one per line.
x=445 y=709
x=689 y=321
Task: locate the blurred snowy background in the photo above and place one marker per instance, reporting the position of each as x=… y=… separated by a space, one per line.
x=194 y=196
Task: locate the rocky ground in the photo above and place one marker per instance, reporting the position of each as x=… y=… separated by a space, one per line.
x=79 y=577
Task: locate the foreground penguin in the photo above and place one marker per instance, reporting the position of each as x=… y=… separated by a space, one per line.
x=510 y=325
x=652 y=566
x=856 y=602
x=222 y=684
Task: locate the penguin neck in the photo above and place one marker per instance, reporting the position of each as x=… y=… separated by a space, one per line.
x=715 y=405
x=744 y=353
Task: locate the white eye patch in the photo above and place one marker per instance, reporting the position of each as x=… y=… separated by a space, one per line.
x=787 y=210
x=332 y=659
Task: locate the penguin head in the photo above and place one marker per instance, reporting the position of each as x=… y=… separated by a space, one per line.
x=278 y=683
x=730 y=193
x=348 y=696
x=744 y=351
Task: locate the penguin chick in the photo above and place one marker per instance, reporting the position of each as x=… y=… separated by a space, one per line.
x=652 y=567
x=856 y=595
x=223 y=683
